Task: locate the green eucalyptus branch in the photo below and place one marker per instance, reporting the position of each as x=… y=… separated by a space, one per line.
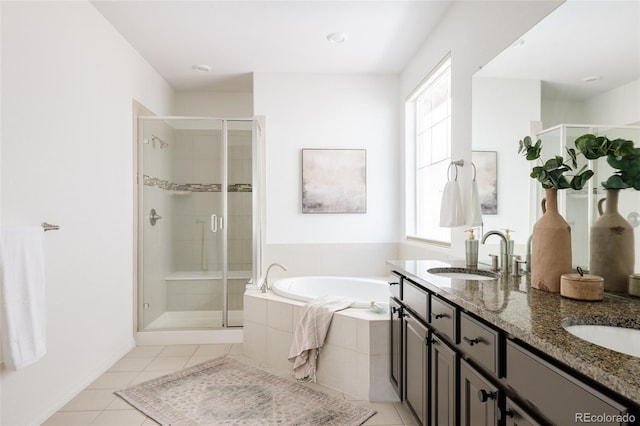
x=554 y=172
x=621 y=155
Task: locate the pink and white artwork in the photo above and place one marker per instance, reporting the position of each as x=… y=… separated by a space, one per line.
x=334 y=181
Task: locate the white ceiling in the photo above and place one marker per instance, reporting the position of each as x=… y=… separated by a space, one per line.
x=579 y=39
x=238 y=37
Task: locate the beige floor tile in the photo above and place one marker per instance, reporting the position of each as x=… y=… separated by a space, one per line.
x=194 y=360
x=236 y=349
x=178 y=350
x=90 y=400
x=167 y=363
x=145 y=351
x=113 y=380
x=404 y=413
x=150 y=422
x=131 y=364
x=213 y=350
x=119 y=404
x=71 y=418
x=386 y=414
x=119 y=418
x=149 y=375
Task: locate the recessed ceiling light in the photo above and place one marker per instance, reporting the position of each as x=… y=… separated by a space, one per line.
x=591 y=78
x=338 y=37
x=201 y=67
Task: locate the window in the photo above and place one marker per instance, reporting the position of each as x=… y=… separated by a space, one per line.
x=429 y=154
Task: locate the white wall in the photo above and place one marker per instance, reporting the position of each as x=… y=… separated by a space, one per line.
x=214 y=104
x=68 y=81
x=619 y=106
x=503 y=110
x=474 y=33
x=329 y=111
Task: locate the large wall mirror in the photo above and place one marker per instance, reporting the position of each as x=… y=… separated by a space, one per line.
x=577 y=71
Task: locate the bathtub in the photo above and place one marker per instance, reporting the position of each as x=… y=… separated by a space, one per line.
x=362 y=290
x=356 y=356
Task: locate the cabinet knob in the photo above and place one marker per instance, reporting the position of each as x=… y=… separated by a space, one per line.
x=484 y=395
x=394 y=283
x=471 y=342
x=438 y=316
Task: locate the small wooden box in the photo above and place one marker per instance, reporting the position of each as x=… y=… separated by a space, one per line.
x=582 y=287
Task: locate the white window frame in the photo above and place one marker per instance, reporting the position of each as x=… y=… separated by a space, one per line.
x=422 y=224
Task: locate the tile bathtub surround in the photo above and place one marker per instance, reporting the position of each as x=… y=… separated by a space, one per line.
x=536 y=317
x=356 y=354
x=98 y=405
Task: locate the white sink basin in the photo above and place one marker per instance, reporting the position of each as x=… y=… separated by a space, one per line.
x=463 y=274
x=620 y=339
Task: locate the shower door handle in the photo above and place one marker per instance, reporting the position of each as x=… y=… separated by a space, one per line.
x=214 y=223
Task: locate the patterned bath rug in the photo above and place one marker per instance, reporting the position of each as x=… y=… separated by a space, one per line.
x=225 y=391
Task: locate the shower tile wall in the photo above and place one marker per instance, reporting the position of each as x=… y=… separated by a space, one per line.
x=196 y=161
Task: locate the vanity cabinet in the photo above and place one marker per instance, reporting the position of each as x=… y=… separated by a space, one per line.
x=553 y=385
x=444 y=361
x=478 y=398
x=452 y=367
x=416 y=367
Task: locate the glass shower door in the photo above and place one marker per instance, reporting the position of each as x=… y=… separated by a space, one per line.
x=183 y=204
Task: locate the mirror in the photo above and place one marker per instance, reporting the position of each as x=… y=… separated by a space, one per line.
x=577 y=71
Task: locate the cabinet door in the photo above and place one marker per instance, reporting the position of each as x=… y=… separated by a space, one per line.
x=416 y=367
x=443 y=383
x=396 y=312
x=478 y=398
x=517 y=416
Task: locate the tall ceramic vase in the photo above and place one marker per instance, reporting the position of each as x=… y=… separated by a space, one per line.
x=611 y=245
x=550 y=246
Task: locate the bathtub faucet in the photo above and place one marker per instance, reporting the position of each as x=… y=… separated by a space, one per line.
x=265 y=284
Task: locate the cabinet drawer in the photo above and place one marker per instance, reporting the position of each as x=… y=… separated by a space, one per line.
x=443 y=318
x=525 y=369
x=415 y=299
x=479 y=342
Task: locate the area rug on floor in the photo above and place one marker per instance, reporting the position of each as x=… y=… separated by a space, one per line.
x=225 y=391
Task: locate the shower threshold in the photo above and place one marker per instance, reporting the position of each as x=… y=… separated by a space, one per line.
x=193 y=320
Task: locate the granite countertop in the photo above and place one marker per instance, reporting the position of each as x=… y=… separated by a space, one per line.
x=536 y=317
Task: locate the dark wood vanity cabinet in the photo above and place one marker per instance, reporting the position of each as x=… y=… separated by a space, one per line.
x=444 y=364
x=416 y=358
x=451 y=367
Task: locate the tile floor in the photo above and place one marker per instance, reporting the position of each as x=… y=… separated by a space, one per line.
x=98 y=405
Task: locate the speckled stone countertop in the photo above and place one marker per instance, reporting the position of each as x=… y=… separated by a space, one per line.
x=536 y=317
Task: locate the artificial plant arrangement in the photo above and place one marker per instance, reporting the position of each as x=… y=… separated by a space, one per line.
x=621 y=156
x=552 y=174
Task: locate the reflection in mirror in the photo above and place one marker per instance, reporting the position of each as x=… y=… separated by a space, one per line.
x=561 y=72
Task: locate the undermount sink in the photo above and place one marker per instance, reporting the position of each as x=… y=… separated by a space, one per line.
x=620 y=339
x=463 y=273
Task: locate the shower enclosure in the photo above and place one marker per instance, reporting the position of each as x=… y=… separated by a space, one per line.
x=197 y=221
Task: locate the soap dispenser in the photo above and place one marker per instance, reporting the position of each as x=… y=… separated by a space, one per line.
x=509 y=248
x=471 y=250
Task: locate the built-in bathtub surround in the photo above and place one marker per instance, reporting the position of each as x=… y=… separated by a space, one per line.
x=355 y=358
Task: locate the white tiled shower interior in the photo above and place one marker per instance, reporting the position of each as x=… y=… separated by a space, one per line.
x=355 y=358
x=182 y=240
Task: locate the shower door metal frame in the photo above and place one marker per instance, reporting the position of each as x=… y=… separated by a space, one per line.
x=139 y=214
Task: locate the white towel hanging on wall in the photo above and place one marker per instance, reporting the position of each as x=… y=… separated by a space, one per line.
x=451 y=210
x=474 y=210
x=23 y=295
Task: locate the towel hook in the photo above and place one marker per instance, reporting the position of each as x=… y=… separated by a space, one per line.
x=456 y=164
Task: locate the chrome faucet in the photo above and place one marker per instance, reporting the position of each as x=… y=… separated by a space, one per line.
x=505 y=255
x=265 y=284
